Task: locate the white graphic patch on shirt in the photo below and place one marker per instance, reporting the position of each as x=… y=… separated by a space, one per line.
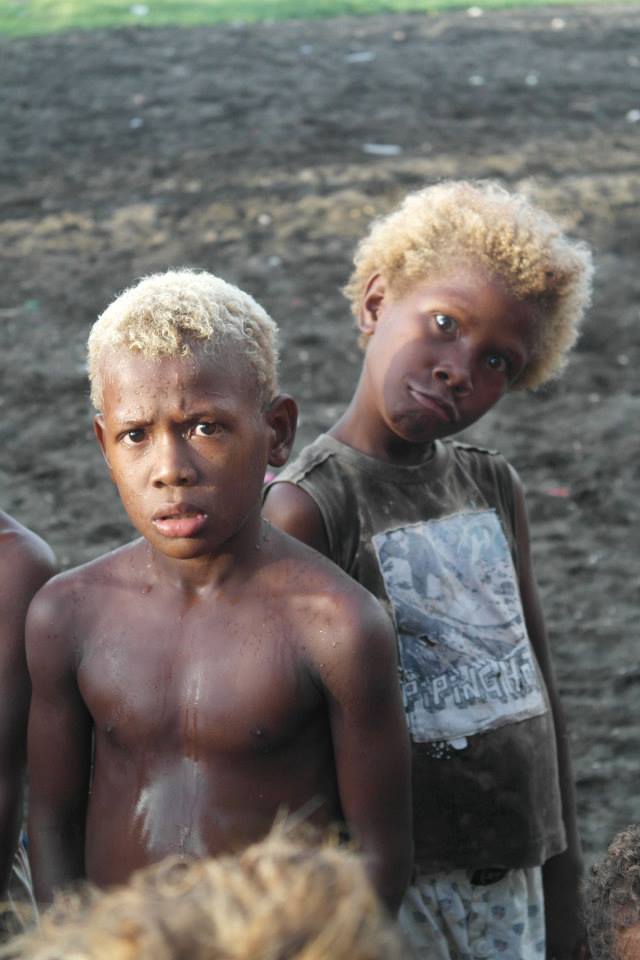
x=466 y=660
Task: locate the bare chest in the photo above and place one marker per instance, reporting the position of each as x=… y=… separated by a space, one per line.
x=197 y=688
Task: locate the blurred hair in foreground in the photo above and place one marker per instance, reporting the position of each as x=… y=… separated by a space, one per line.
x=612 y=900
x=284 y=898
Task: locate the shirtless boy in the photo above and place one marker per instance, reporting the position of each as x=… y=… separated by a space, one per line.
x=462 y=293
x=224 y=670
x=26 y=562
x=283 y=897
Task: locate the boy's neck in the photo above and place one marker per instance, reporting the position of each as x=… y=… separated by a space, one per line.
x=355 y=430
x=233 y=562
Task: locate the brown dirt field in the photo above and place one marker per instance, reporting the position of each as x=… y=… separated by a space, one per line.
x=240 y=149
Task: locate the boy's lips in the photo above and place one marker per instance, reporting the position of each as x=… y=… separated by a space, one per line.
x=179 y=520
x=432 y=401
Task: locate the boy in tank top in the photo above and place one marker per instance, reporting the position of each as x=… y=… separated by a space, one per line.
x=463 y=293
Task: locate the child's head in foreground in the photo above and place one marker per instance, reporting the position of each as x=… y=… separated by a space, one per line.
x=183 y=371
x=281 y=899
x=612 y=900
x=458 y=224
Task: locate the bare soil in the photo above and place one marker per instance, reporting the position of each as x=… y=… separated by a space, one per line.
x=242 y=150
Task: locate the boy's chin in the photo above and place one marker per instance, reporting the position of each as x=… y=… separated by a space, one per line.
x=419 y=434
x=178 y=548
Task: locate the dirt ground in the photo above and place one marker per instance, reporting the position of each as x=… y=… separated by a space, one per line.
x=261 y=153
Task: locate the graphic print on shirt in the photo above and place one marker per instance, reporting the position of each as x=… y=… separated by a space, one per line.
x=465 y=657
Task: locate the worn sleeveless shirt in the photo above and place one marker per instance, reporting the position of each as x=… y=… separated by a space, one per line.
x=436 y=544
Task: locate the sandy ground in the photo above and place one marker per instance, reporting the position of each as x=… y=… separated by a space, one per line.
x=243 y=150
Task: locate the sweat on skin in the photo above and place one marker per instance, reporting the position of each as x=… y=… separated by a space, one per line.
x=225 y=670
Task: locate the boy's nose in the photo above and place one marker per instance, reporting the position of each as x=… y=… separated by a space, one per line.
x=456 y=376
x=173 y=467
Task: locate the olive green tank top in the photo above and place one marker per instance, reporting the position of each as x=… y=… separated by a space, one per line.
x=436 y=544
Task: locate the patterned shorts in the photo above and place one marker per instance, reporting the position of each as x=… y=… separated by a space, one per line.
x=445 y=916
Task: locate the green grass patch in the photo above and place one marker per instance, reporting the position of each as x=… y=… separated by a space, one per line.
x=29 y=17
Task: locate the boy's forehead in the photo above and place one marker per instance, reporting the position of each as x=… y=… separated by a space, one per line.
x=471 y=286
x=134 y=382
x=458 y=276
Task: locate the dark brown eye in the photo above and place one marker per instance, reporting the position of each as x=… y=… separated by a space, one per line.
x=497 y=362
x=206 y=429
x=445 y=323
x=134 y=436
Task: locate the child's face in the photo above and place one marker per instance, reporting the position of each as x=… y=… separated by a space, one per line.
x=187 y=445
x=443 y=354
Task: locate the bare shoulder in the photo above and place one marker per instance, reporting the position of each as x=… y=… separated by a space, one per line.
x=309 y=570
x=68 y=600
x=293 y=510
x=26 y=561
x=330 y=609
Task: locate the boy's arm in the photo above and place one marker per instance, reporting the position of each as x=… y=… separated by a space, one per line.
x=561 y=874
x=290 y=508
x=59 y=747
x=24 y=566
x=371 y=744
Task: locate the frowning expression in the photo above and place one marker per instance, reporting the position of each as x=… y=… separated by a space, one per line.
x=443 y=354
x=187 y=443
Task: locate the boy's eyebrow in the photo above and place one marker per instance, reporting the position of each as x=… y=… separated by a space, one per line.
x=457 y=298
x=132 y=421
x=144 y=421
x=194 y=414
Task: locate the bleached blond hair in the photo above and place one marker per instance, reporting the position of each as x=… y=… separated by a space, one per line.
x=281 y=899
x=499 y=230
x=611 y=895
x=169 y=314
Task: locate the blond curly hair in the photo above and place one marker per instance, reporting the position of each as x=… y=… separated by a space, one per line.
x=281 y=899
x=502 y=232
x=611 y=895
x=168 y=314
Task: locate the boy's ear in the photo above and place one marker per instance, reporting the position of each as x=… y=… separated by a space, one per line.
x=99 y=430
x=372 y=301
x=282 y=417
